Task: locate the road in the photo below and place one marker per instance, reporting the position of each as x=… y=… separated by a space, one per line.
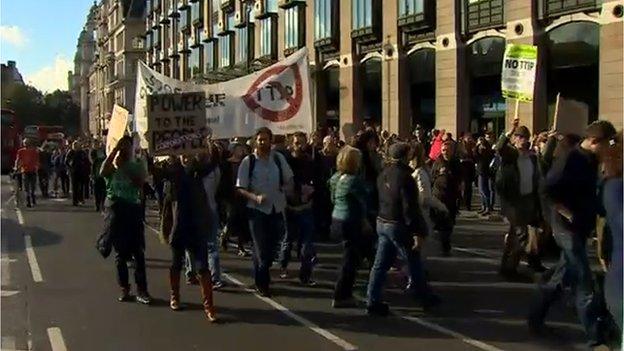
x=59 y=294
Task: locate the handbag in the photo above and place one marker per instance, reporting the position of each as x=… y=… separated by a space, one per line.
x=104 y=244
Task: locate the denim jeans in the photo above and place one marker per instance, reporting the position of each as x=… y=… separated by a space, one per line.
x=29 y=180
x=487 y=193
x=301 y=227
x=573 y=271
x=392 y=241
x=266 y=231
x=212 y=248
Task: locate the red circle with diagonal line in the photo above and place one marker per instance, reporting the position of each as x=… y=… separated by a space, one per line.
x=293 y=103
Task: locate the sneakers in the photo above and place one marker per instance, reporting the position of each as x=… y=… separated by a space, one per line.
x=243 y=253
x=308 y=282
x=143 y=298
x=264 y=292
x=283 y=273
x=378 y=309
x=346 y=303
x=218 y=285
x=124 y=296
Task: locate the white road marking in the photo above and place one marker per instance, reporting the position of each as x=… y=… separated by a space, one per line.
x=8 y=293
x=32 y=260
x=30 y=252
x=476 y=343
x=6 y=203
x=310 y=325
x=56 y=339
x=20 y=217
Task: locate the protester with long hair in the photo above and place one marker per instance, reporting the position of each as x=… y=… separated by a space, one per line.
x=349 y=221
x=186 y=226
x=124 y=178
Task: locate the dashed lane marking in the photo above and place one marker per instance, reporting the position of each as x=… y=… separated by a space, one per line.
x=56 y=339
x=310 y=325
x=30 y=252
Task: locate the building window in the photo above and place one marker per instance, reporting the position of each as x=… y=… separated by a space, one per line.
x=271 y=6
x=266 y=47
x=410 y=7
x=119 y=69
x=225 y=51
x=291 y=34
x=208 y=56
x=555 y=8
x=197 y=11
x=322 y=19
x=119 y=42
x=194 y=63
x=362 y=16
x=175 y=68
x=242 y=49
x=215 y=5
x=184 y=19
x=482 y=14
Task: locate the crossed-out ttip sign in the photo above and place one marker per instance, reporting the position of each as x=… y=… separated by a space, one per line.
x=276 y=91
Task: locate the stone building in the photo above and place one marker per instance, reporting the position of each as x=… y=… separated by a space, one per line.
x=78 y=79
x=119 y=46
x=400 y=63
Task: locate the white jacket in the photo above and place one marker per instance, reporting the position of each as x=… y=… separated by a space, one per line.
x=426 y=200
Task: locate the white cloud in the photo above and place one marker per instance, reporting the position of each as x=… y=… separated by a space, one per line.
x=13 y=35
x=52 y=77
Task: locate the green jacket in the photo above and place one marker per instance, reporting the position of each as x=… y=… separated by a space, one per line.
x=348 y=194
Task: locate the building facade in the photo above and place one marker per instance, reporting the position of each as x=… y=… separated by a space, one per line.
x=399 y=63
x=78 y=79
x=119 y=40
x=11 y=78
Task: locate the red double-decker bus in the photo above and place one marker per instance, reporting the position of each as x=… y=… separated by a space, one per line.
x=11 y=130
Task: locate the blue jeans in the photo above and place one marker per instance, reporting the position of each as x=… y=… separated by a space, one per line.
x=300 y=226
x=487 y=193
x=573 y=271
x=266 y=231
x=213 y=250
x=393 y=239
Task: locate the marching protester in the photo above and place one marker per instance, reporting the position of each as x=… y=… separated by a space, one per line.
x=124 y=178
x=466 y=154
x=325 y=166
x=349 y=221
x=98 y=155
x=518 y=188
x=186 y=227
x=299 y=215
x=446 y=187
x=27 y=165
x=401 y=230
x=210 y=177
x=571 y=186
x=484 y=156
x=264 y=178
x=60 y=171
x=77 y=161
x=236 y=204
x=45 y=166
x=368 y=143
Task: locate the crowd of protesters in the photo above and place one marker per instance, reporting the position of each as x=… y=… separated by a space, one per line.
x=377 y=194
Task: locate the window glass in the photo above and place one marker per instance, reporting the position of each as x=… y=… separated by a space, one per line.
x=322 y=19
x=265 y=37
x=224 y=51
x=291 y=33
x=362 y=14
x=271 y=6
x=410 y=7
x=194 y=65
x=208 y=53
x=243 y=44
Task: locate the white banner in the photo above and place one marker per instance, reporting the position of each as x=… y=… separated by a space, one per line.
x=277 y=97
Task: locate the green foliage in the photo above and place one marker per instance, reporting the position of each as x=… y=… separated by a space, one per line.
x=33 y=107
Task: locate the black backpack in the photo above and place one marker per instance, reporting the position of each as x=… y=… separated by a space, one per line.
x=252 y=165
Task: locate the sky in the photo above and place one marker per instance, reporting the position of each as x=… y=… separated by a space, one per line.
x=41 y=36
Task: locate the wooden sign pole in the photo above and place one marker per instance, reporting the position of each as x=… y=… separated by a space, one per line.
x=556 y=116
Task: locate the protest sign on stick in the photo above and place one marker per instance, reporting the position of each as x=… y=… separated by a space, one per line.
x=176 y=123
x=116 y=127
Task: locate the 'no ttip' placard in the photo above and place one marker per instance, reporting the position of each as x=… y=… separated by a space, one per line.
x=518 y=75
x=279 y=86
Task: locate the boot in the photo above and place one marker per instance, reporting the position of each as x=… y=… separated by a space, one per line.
x=174 y=283
x=535 y=263
x=205 y=282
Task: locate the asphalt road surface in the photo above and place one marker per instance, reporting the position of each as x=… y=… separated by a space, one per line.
x=59 y=294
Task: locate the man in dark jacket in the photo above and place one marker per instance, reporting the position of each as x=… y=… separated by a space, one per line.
x=78 y=163
x=401 y=230
x=446 y=187
x=98 y=155
x=45 y=166
x=517 y=184
x=571 y=187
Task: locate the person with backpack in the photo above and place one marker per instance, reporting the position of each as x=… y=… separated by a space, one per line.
x=517 y=183
x=264 y=178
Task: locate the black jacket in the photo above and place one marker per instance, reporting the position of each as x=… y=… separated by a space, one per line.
x=398 y=198
x=446 y=177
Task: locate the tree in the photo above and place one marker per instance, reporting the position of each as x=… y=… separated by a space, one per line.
x=33 y=107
